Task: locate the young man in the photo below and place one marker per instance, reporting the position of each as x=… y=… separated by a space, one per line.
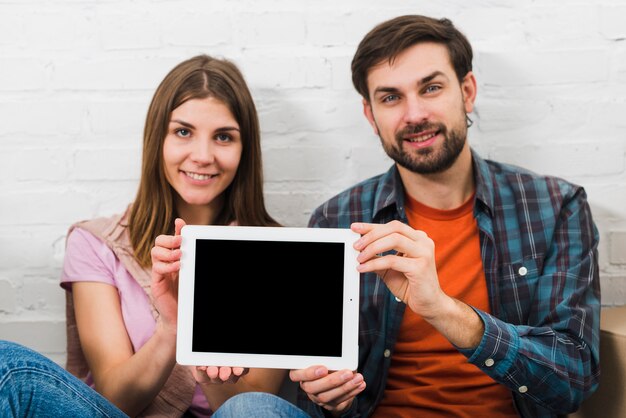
x=480 y=292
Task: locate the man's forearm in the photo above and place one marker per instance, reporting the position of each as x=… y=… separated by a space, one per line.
x=459 y=323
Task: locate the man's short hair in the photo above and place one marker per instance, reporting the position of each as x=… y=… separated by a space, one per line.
x=388 y=39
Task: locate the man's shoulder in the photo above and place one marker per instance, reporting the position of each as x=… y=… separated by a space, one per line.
x=354 y=204
x=511 y=176
x=364 y=189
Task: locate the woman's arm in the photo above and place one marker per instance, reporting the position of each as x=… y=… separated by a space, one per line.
x=218 y=383
x=129 y=380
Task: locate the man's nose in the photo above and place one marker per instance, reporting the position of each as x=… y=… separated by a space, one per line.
x=415 y=110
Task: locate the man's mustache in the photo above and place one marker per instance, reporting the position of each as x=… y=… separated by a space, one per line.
x=416 y=129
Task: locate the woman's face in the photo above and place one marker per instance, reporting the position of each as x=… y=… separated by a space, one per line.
x=201 y=153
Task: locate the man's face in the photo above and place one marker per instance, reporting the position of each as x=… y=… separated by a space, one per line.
x=417 y=107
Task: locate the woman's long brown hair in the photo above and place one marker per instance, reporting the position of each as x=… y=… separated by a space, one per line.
x=153 y=211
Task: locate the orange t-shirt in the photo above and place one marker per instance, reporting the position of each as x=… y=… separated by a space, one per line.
x=428 y=377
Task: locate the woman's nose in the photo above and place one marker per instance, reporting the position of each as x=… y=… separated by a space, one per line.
x=202 y=152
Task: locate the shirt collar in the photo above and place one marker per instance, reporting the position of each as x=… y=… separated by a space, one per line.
x=390 y=190
x=483 y=178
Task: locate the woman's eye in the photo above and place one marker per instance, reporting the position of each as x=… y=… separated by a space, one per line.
x=223 y=137
x=183 y=133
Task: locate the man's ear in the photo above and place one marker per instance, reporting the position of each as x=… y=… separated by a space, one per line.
x=369 y=114
x=469 y=90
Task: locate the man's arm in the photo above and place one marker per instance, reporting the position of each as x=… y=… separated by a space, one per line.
x=553 y=361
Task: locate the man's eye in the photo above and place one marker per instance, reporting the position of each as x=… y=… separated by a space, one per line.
x=390 y=98
x=432 y=89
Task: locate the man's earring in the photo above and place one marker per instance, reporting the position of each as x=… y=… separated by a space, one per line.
x=468 y=121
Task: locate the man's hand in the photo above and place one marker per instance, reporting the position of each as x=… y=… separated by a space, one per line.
x=411 y=275
x=334 y=391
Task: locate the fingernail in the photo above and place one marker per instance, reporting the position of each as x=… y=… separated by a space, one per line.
x=319 y=372
x=346 y=376
x=358 y=379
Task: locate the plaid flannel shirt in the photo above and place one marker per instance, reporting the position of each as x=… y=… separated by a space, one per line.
x=539 y=252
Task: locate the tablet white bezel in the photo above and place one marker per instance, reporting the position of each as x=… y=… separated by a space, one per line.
x=350 y=322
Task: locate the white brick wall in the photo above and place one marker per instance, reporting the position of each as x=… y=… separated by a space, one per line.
x=76 y=77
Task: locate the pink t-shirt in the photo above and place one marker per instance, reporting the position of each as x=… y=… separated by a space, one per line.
x=87 y=259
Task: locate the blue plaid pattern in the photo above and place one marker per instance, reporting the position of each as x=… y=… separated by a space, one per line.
x=539 y=252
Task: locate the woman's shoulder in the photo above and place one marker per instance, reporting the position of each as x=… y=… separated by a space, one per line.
x=103 y=223
x=103 y=226
x=87 y=258
x=95 y=246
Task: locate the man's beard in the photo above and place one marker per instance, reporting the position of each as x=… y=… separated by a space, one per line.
x=427 y=160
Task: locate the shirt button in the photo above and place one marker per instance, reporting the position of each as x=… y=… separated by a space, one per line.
x=387 y=353
x=522 y=271
x=398 y=299
x=489 y=362
x=522 y=389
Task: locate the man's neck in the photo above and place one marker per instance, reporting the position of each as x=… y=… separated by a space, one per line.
x=445 y=190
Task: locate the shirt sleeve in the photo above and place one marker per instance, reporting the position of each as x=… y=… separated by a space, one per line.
x=553 y=360
x=87 y=259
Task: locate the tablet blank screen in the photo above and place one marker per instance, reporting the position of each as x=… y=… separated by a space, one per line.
x=268 y=297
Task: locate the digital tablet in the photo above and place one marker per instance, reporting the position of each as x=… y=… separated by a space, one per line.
x=272 y=297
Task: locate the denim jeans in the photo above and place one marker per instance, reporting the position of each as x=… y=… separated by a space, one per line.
x=33 y=386
x=258 y=404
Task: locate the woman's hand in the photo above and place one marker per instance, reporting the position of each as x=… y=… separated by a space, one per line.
x=165 y=267
x=219 y=375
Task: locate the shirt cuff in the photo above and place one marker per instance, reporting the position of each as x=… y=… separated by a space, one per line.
x=498 y=347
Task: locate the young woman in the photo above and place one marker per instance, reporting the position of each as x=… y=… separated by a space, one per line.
x=202 y=164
